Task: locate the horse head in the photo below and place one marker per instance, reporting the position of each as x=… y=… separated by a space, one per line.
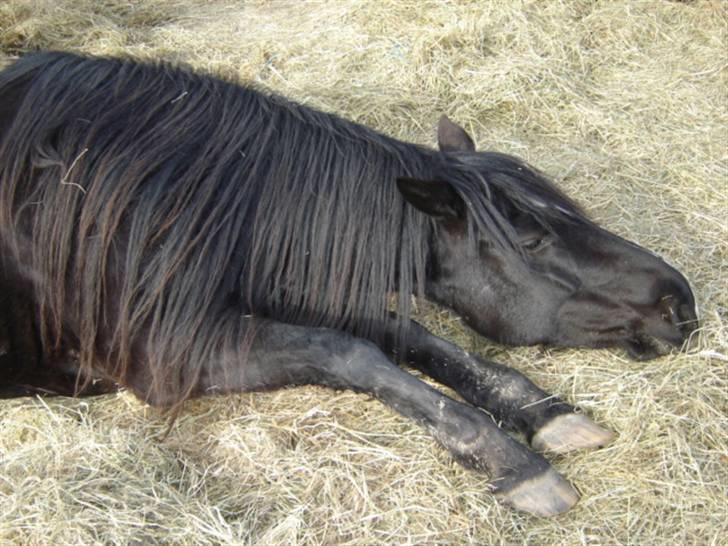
x=558 y=278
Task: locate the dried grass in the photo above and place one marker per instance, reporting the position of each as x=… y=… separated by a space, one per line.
x=625 y=103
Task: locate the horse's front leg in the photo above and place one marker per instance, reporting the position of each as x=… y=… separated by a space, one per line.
x=283 y=355
x=514 y=400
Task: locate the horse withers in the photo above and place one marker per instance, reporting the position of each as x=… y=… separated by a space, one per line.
x=175 y=234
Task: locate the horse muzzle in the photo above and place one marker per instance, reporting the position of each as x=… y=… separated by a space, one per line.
x=674 y=324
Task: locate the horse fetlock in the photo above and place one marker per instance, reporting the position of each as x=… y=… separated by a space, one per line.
x=570 y=432
x=519 y=478
x=477 y=443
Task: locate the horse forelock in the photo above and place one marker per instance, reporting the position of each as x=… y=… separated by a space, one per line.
x=494 y=185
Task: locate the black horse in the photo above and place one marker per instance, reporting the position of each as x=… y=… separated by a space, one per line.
x=176 y=235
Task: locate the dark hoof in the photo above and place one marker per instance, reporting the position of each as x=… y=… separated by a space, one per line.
x=544 y=495
x=570 y=432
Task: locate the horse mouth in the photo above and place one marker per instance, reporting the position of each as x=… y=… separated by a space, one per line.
x=643 y=346
x=646 y=347
x=675 y=328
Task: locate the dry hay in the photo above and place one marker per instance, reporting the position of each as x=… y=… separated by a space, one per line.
x=623 y=102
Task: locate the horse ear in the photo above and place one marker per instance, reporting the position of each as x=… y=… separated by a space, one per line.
x=453 y=138
x=438 y=199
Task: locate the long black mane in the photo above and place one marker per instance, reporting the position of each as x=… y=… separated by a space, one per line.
x=157 y=200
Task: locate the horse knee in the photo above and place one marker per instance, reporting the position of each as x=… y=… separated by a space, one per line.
x=350 y=362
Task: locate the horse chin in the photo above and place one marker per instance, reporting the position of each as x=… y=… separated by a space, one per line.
x=646 y=347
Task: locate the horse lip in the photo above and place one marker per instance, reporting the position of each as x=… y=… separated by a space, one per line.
x=641 y=347
x=653 y=338
x=646 y=346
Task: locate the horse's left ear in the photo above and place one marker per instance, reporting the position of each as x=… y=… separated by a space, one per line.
x=453 y=138
x=438 y=199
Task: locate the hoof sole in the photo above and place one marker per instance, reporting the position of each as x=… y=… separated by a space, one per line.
x=570 y=432
x=545 y=495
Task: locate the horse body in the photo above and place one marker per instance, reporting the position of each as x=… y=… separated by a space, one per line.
x=178 y=235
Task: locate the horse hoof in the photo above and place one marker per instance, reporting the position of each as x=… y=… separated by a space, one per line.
x=545 y=495
x=570 y=432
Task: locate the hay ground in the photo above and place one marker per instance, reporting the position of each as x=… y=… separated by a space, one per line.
x=622 y=102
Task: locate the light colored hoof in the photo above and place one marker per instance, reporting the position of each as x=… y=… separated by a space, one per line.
x=570 y=432
x=545 y=495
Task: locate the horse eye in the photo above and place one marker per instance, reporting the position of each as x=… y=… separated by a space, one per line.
x=534 y=244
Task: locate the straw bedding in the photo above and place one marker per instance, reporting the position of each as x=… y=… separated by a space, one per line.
x=623 y=103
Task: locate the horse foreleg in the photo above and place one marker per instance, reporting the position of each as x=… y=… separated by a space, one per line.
x=284 y=355
x=514 y=400
x=25 y=369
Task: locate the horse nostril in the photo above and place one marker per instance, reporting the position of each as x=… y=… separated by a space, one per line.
x=668 y=310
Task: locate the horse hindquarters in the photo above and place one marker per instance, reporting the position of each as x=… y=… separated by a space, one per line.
x=282 y=355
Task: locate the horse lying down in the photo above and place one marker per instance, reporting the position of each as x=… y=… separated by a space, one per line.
x=177 y=235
